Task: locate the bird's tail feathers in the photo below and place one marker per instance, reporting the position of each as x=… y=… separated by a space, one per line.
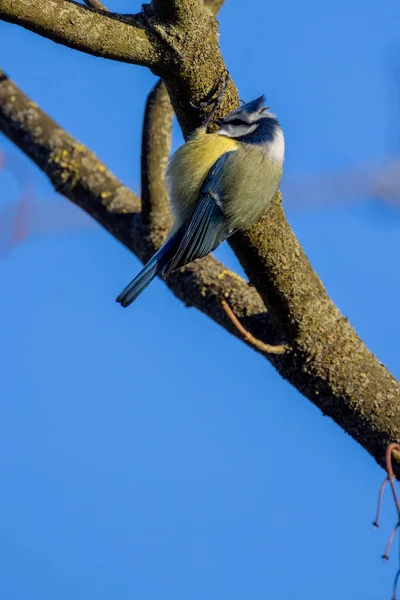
x=146 y=275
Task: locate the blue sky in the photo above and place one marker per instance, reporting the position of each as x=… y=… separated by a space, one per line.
x=146 y=453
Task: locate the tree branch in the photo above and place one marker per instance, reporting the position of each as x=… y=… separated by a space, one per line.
x=262 y=346
x=329 y=363
x=76 y=26
x=70 y=167
x=156 y=147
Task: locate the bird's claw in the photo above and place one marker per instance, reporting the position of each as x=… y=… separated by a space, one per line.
x=215 y=100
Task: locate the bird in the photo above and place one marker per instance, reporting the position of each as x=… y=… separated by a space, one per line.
x=220 y=182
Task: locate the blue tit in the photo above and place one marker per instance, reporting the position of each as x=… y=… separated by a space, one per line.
x=219 y=183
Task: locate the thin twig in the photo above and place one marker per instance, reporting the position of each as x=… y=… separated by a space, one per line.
x=391 y=479
x=378 y=512
x=248 y=337
x=385 y=555
x=389 y=468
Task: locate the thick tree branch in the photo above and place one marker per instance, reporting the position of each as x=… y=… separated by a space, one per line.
x=329 y=363
x=71 y=168
x=192 y=66
x=72 y=24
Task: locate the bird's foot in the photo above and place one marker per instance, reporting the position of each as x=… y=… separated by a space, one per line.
x=215 y=100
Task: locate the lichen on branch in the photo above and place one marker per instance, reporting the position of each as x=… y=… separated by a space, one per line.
x=108 y=35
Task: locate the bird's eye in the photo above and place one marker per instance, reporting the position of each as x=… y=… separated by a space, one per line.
x=235 y=122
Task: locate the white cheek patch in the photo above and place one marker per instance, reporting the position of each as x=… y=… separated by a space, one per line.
x=276 y=148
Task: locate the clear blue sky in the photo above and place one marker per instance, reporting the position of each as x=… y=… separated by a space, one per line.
x=139 y=449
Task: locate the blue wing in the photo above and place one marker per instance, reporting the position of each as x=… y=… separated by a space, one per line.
x=206 y=228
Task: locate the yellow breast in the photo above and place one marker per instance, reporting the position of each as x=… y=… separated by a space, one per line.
x=189 y=167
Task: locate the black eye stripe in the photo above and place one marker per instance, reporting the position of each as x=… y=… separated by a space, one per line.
x=245 y=123
x=237 y=122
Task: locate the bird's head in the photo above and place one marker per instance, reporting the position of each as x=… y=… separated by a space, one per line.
x=249 y=121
